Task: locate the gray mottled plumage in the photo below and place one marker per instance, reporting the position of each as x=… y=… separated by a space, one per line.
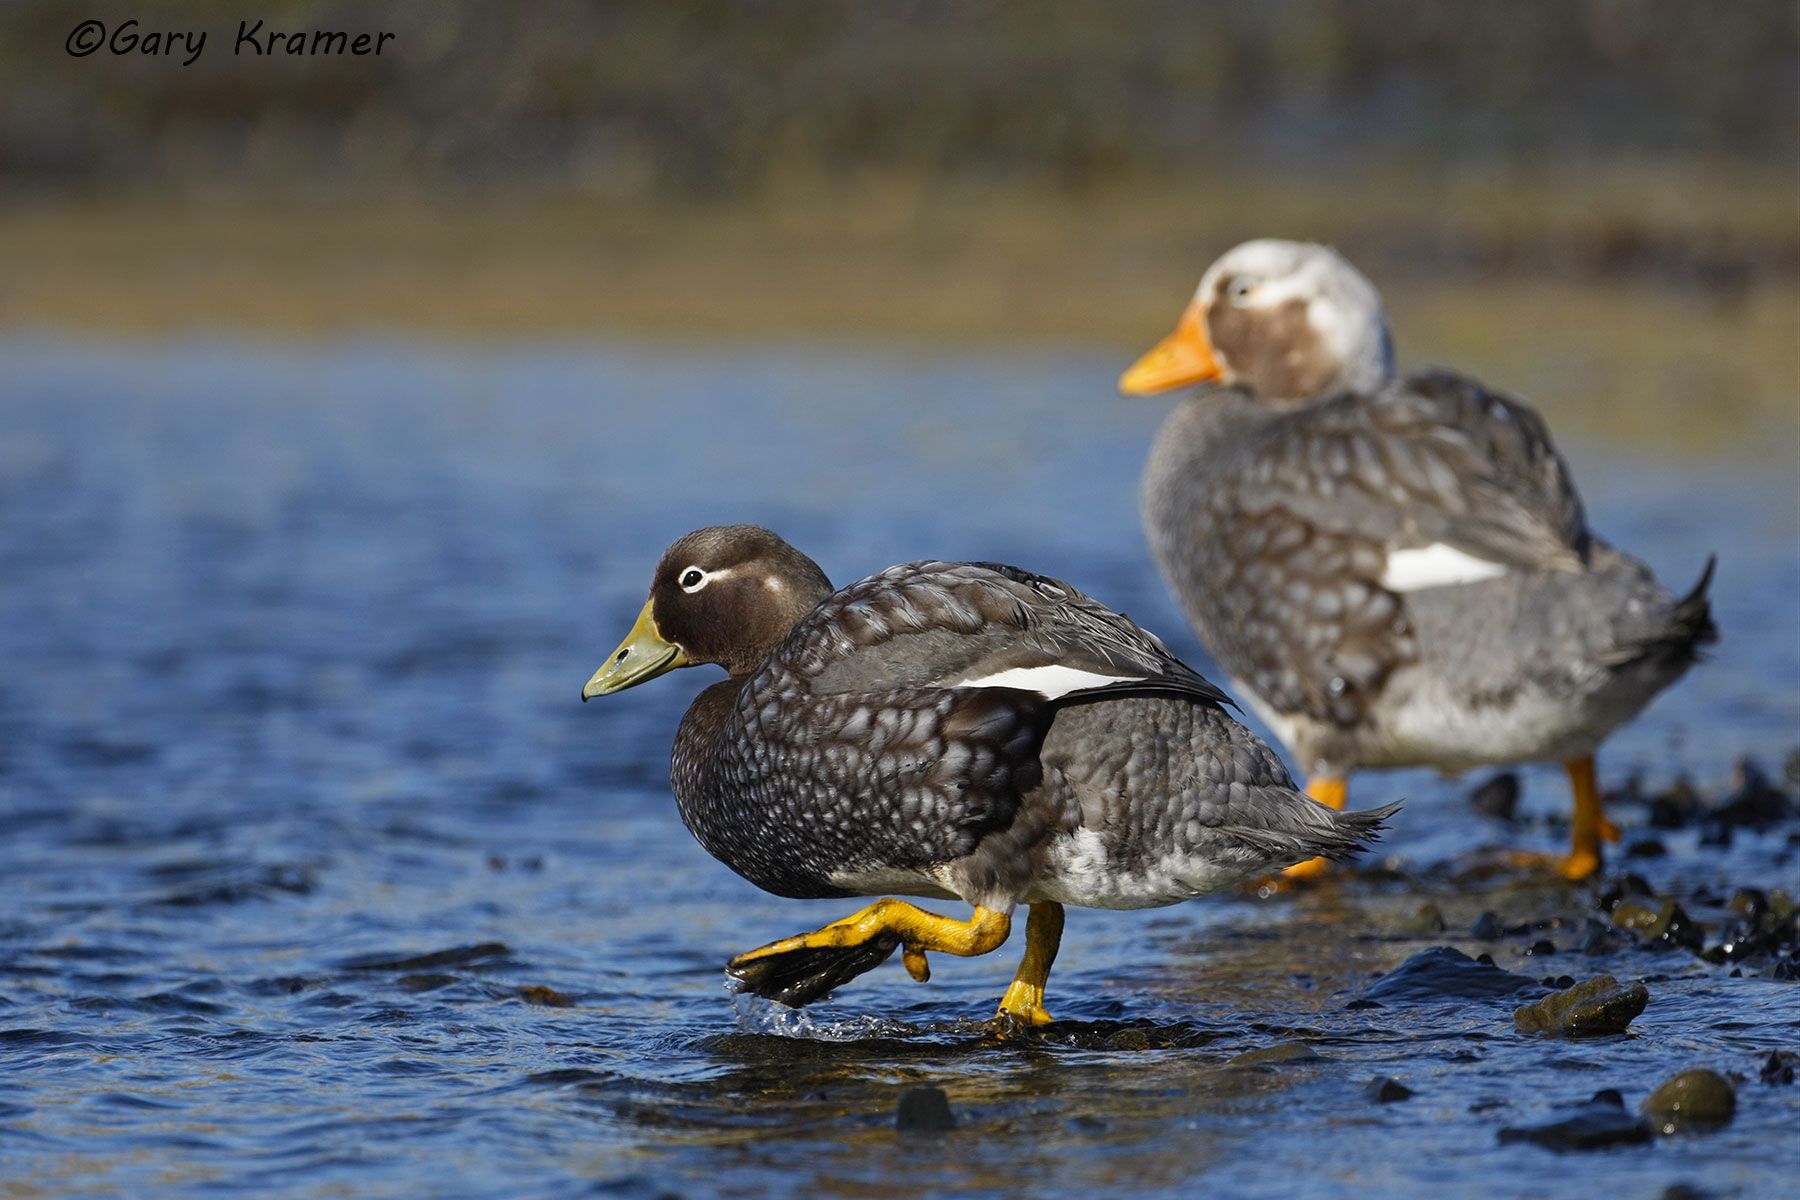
x=865 y=754
x=1276 y=520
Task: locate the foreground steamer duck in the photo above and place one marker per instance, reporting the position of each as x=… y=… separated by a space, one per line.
x=1395 y=572
x=952 y=730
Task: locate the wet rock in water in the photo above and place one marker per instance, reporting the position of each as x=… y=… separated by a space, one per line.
x=1693 y=1101
x=1646 y=848
x=924 y=1110
x=1592 y=1008
x=1387 y=1090
x=1778 y=1071
x=1625 y=887
x=1540 y=948
x=1754 y=801
x=1685 y=1191
x=1715 y=834
x=1667 y=923
x=1487 y=927
x=1445 y=973
x=1427 y=921
x=1603 y=939
x=1676 y=806
x=1279 y=1054
x=1599 y=1123
x=1497 y=797
x=548 y=997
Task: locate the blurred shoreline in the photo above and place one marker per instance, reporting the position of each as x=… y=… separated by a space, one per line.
x=1681 y=287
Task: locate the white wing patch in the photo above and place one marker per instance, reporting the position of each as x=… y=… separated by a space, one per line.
x=1436 y=565
x=1051 y=682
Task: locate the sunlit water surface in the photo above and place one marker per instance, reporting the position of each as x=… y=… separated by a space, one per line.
x=315 y=878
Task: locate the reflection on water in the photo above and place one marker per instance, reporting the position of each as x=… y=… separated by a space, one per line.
x=315 y=878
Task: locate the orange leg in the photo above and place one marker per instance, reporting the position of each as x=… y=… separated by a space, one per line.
x=1331 y=791
x=1589 y=826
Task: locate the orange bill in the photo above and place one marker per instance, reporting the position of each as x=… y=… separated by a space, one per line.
x=1185 y=356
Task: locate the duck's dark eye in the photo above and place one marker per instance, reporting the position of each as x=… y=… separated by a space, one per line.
x=1240 y=289
x=692 y=578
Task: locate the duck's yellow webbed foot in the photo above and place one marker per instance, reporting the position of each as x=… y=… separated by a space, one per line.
x=798 y=970
x=1024 y=1000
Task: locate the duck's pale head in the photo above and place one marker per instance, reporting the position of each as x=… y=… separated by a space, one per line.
x=1287 y=321
x=725 y=594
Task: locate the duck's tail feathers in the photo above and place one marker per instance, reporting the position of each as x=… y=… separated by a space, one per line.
x=1677 y=640
x=1356 y=830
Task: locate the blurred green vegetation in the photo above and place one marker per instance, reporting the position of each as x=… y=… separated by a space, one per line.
x=720 y=99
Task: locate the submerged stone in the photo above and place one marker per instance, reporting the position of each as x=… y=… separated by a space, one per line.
x=1593 y=1008
x=1779 y=1068
x=1445 y=973
x=1427 y=921
x=1277 y=1055
x=1497 y=797
x=1387 y=1090
x=1599 y=1123
x=1486 y=928
x=924 y=1110
x=1694 y=1100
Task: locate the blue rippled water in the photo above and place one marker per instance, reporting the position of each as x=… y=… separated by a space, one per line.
x=317 y=880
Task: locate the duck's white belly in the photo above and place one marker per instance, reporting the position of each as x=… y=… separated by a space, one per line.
x=1080 y=870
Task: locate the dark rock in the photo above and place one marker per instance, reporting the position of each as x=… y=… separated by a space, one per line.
x=1599 y=1123
x=1541 y=947
x=1785 y=970
x=1427 y=921
x=1602 y=939
x=1497 y=797
x=1486 y=928
x=924 y=1110
x=1634 y=915
x=1694 y=1100
x=1754 y=801
x=1593 y=1008
x=1749 y=903
x=1646 y=848
x=1277 y=1055
x=1684 y=1191
x=1778 y=1071
x=1387 y=1090
x=1625 y=887
x=1715 y=834
x=1677 y=806
x=1444 y=973
x=1666 y=924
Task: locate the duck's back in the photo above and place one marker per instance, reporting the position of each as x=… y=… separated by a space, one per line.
x=1341 y=559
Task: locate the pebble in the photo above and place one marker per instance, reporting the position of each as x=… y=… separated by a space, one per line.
x=1779 y=1069
x=1599 y=1123
x=1387 y=1090
x=1497 y=797
x=1279 y=1054
x=1427 y=921
x=1694 y=1100
x=1593 y=1008
x=924 y=1110
x=1445 y=973
x=1486 y=928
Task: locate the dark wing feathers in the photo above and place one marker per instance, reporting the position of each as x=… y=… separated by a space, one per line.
x=1433 y=458
x=937 y=625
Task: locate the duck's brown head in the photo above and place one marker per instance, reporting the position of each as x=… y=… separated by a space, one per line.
x=725 y=594
x=1287 y=321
